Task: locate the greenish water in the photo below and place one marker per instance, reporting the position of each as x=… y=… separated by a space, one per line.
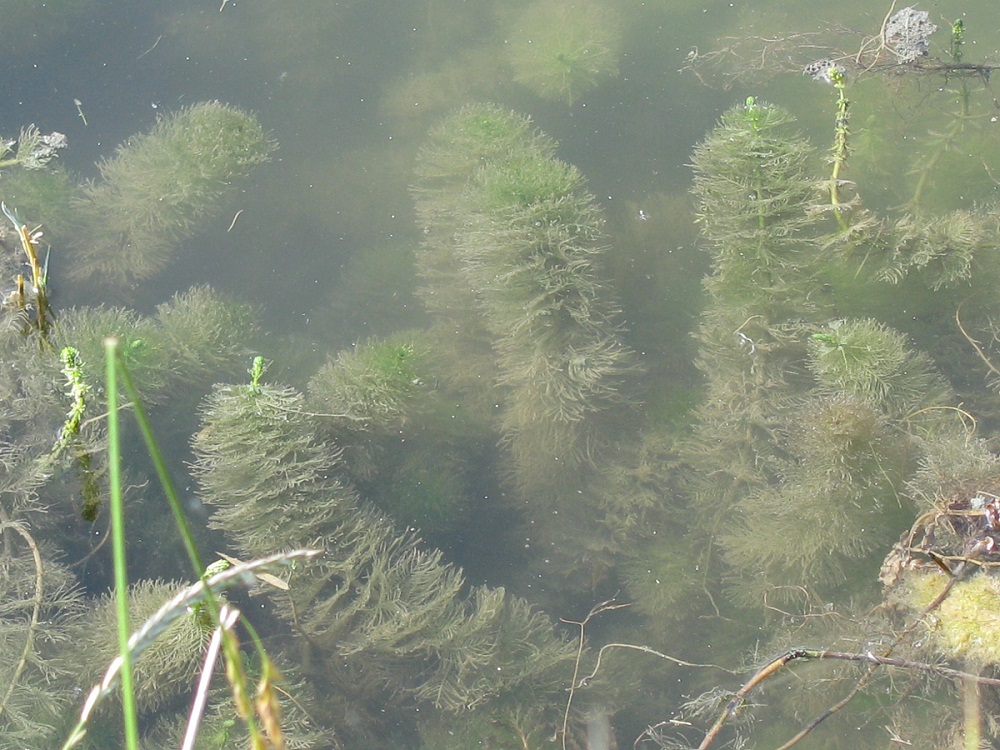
x=517 y=368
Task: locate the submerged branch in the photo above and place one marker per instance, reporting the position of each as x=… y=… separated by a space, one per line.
x=874 y=661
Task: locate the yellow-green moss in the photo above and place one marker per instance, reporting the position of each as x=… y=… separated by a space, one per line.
x=966 y=625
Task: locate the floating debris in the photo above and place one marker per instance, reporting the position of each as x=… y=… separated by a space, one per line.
x=907 y=34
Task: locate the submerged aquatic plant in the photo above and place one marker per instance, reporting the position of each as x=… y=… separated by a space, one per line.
x=753 y=189
x=838 y=492
x=561 y=49
x=754 y=185
x=376 y=602
x=940 y=250
x=529 y=239
x=427 y=491
x=371 y=386
x=835 y=75
x=202 y=334
x=196 y=335
x=167 y=668
x=868 y=360
x=456 y=149
x=39 y=599
x=363 y=397
x=783 y=455
x=159 y=187
x=517 y=231
x=43 y=197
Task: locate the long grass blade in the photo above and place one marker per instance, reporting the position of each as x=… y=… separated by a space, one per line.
x=118 y=545
x=161 y=468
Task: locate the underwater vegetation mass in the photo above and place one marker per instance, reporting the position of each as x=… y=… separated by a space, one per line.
x=377 y=605
x=642 y=560
x=159 y=187
x=562 y=49
x=526 y=239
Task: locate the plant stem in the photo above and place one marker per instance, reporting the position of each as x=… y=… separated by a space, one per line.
x=163 y=474
x=230 y=643
x=840 y=134
x=118 y=542
x=957 y=127
x=971 y=712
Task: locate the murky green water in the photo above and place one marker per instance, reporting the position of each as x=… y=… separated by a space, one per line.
x=508 y=382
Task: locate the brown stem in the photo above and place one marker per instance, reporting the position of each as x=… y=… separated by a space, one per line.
x=597 y=609
x=870 y=658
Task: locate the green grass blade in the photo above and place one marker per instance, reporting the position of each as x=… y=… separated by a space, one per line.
x=118 y=544
x=161 y=469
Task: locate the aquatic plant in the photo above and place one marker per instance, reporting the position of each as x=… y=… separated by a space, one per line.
x=363 y=396
x=561 y=49
x=529 y=239
x=658 y=575
x=34 y=149
x=85 y=328
x=52 y=459
x=475 y=135
x=199 y=604
x=868 y=360
x=455 y=150
x=786 y=456
x=285 y=461
x=815 y=437
x=375 y=601
x=521 y=728
x=43 y=197
x=753 y=184
x=940 y=250
x=39 y=600
x=202 y=334
x=563 y=361
x=159 y=187
x=371 y=386
x=953 y=465
x=839 y=489
x=192 y=337
x=524 y=241
x=835 y=75
x=428 y=491
x=951 y=163
x=167 y=668
x=753 y=188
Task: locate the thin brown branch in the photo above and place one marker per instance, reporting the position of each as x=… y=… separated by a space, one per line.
x=584 y=681
x=975 y=344
x=874 y=661
x=605 y=606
